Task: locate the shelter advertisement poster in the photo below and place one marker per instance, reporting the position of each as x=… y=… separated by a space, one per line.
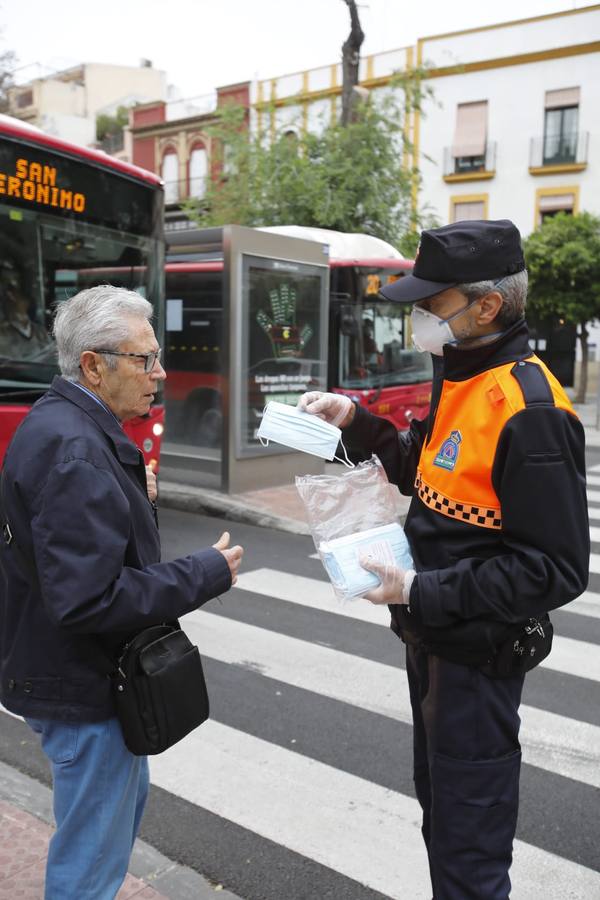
x=282 y=304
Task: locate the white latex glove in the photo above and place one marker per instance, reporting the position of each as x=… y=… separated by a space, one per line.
x=395 y=582
x=337 y=409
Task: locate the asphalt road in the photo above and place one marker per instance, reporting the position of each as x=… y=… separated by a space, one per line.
x=300 y=786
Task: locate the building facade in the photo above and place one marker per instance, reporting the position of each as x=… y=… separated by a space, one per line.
x=66 y=104
x=173 y=140
x=512 y=129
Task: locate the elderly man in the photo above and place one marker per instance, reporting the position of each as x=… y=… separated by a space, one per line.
x=499 y=534
x=75 y=496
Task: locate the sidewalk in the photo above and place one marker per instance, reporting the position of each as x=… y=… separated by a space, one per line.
x=274 y=507
x=588 y=413
x=26 y=829
x=280 y=507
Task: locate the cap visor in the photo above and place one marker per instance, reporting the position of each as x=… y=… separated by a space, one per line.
x=409 y=289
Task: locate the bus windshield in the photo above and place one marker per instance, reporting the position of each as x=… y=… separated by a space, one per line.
x=45 y=262
x=65 y=224
x=372 y=347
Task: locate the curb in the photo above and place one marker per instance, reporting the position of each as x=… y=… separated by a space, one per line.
x=213 y=503
x=157 y=871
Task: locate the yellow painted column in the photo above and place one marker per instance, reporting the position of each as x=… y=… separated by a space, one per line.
x=408 y=113
x=416 y=137
x=334 y=84
x=273 y=100
x=305 y=90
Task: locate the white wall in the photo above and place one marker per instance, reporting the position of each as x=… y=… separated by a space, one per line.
x=77 y=129
x=68 y=109
x=106 y=85
x=515 y=97
x=508 y=39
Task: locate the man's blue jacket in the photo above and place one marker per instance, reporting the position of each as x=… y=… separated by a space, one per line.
x=74 y=492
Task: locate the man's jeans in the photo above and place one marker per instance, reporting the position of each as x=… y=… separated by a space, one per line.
x=100 y=790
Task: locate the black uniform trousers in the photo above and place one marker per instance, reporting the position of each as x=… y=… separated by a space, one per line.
x=467 y=760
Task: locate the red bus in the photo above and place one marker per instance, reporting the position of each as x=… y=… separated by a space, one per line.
x=370 y=357
x=68 y=214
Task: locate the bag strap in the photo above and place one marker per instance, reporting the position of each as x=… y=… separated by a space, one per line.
x=533 y=383
x=25 y=561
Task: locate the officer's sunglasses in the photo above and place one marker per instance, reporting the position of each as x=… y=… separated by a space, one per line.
x=150 y=359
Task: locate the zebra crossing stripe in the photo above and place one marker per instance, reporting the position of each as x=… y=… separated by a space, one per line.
x=594 y=480
x=310 y=592
x=568 y=655
x=594 y=563
x=586 y=605
x=564 y=746
x=357 y=828
x=593 y=496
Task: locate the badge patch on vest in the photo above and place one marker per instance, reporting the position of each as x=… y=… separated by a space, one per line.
x=448 y=455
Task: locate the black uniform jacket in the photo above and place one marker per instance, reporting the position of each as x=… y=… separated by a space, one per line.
x=516 y=544
x=74 y=489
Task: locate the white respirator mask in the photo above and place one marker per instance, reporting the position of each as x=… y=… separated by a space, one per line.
x=430 y=332
x=292 y=427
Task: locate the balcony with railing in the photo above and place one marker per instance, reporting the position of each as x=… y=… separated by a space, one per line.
x=561 y=152
x=470 y=168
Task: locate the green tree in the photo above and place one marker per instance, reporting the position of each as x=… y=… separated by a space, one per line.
x=7 y=66
x=563 y=260
x=111 y=126
x=351 y=177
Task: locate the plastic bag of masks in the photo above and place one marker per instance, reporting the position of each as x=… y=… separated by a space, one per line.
x=353 y=513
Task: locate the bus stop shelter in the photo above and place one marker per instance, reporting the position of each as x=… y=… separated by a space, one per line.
x=246 y=322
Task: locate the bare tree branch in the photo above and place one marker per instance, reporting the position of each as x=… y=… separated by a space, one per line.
x=350 y=62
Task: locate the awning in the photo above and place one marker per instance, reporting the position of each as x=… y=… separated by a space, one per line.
x=562 y=98
x=469 y=210
x=471 y=129
x=557 y=202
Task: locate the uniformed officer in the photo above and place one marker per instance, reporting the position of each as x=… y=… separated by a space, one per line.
x=499 y=535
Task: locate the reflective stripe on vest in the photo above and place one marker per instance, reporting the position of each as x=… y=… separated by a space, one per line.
x=454 y=475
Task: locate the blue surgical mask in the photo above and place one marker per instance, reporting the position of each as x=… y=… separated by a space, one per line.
x=292 y=427
x=387 y=544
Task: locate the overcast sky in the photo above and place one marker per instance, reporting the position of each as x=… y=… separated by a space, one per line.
x=205 y=43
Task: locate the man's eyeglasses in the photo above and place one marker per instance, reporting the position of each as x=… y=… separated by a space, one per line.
x=150 y=359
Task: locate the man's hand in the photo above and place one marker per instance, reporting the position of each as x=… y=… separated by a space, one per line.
x=337 y=409
x=151 y=486
x=393 y=587
x=233 y=555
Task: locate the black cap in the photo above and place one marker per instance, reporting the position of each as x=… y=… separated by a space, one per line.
x=459 y=253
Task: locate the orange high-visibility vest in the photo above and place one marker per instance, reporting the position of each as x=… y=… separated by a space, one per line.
x=454 y=475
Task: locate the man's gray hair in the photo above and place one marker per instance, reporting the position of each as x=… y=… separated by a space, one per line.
x=512 y=288
x=97 y=317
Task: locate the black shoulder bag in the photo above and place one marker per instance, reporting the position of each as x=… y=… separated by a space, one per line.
x=159 y=689
x=158 y=683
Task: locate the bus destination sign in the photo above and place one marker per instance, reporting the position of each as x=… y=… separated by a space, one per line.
x=37 y=183
x=50 y=182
